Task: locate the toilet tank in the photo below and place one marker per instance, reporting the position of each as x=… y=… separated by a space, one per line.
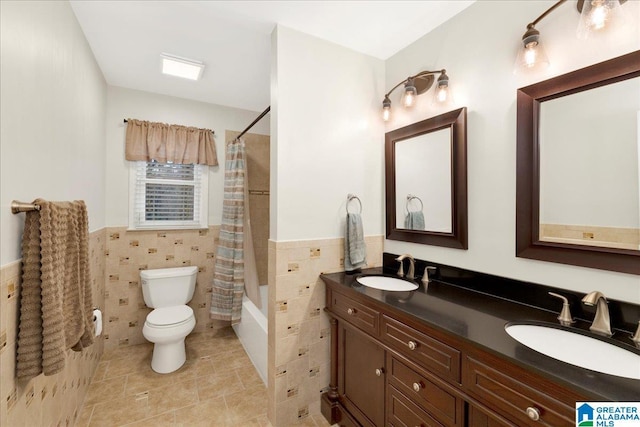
x=166 y=287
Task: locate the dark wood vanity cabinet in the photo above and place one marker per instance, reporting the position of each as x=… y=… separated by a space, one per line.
x=390 y=370
x=361 y=381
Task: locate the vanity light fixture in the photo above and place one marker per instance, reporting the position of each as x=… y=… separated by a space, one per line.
x=417 y=85
x=595 y=16
x=181 y=67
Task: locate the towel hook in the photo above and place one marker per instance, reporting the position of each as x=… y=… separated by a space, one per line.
x=351 y=197
x=411 y=197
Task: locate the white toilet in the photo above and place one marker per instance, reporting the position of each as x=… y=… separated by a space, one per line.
x=167 y=291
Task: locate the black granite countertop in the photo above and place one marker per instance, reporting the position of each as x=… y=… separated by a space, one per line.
x=480 y=318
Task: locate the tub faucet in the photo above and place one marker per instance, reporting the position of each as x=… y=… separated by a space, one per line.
x=601 y=322
x=412 y=266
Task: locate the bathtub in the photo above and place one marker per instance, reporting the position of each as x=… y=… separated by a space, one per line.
x=252 y=332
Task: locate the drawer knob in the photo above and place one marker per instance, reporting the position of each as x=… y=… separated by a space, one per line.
x=533 y=413
x=379 y=372
x=412 y=345
x=417 y=387
x=351 y=311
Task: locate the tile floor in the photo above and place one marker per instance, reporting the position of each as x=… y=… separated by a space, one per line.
x=217 y=387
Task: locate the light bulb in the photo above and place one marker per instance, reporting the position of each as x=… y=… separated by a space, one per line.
x=386 y=108
x=530 y=54
x=442 y=94
x=386 y=113
x=599 y=16
x=410 y=94
x=409 y=100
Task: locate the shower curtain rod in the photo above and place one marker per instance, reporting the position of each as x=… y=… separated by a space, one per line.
x=255 y=121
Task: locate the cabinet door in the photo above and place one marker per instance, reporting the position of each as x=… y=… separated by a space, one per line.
x=361 y=377
x=479 y=418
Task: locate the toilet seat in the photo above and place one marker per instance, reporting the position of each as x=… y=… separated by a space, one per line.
x=169 y=317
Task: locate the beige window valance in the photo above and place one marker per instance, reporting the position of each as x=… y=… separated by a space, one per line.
x=169 y=143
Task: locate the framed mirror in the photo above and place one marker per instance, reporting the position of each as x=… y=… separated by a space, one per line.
x=578 y=173
x=426 y=181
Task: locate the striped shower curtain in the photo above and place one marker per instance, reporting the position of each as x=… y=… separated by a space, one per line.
x=228 y=278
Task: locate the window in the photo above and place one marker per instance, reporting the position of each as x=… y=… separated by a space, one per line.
x=167 y=196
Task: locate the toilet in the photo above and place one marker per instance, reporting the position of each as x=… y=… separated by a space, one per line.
x=167 y=291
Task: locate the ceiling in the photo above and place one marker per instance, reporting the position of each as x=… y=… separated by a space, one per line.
x=233 y=39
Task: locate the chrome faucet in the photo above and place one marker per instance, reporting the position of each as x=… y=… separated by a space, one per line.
x=601 y=322
x=412 y=266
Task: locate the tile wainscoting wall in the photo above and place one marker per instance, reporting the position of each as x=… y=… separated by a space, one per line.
x=612 y=237
x=128 y=252
x=299 y=332
x=299 y=329
x=46 y=400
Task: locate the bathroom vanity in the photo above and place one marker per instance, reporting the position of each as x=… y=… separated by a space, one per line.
x=439 y=356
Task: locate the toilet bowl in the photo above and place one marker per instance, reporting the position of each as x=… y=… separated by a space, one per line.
x=167 y=328
x=167 y=291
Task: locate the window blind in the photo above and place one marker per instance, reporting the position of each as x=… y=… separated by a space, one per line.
x=168 y=195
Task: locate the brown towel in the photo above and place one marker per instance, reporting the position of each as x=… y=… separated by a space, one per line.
x=56 y=304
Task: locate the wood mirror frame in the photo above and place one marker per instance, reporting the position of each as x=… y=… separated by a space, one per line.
x=456 y=121
x=528 y=243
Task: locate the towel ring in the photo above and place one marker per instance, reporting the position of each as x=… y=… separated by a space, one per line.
x=411 y=197
x=351 y=197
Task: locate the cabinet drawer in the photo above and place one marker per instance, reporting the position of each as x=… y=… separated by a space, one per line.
x=426 y=391
x=516 y=397
x=402 y=412
x=355 y=313
x=438 y=357
x=479 y=418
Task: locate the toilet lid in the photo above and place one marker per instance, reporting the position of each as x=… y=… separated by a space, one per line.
x=167 y=316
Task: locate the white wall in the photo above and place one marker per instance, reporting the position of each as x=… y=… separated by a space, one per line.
x=478 y=48
x=52 y=107
x=329 y=138
x=127 y=103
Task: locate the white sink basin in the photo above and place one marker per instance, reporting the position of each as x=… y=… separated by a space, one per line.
x=579 y=350
x=386 y=283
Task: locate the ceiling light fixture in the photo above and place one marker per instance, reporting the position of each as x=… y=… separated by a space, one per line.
x=181 y=67
x=417 y=85
x=595 y=16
